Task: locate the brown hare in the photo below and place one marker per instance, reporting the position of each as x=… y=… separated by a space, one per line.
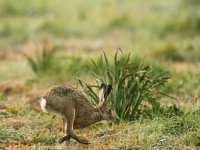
x=76 y=110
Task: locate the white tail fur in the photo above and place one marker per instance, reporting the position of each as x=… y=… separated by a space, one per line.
x=43 y=104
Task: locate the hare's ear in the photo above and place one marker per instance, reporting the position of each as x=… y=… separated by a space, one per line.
x=102 y=90
x=104 y=93
x=107 y=92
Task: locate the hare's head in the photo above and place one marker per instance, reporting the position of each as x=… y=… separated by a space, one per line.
x=105 y=109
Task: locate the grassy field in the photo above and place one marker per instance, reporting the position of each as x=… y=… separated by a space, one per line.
x=164 y=34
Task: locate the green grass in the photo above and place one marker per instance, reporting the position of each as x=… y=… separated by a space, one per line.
x=133 y=83
x=169 y=51
x=48 y=63
x=185 y=84
x=30 y=128
x=134 y=24
x=24 y=129
x=44 y=63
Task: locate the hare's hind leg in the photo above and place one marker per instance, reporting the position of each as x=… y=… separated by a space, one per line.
x=64 y=130
x=70 y=116
x=65 y=138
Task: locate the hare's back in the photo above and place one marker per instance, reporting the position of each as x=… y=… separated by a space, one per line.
x=61 y=91
x=59 y=98
x=66 y=92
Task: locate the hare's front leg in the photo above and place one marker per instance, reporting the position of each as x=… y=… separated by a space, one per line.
x=64 y=125
x=69 y=117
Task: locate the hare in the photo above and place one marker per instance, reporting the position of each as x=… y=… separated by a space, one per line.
x=76 y=110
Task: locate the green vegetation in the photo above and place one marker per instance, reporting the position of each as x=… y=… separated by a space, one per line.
x=180 y=130
x=44 y=63
x=49 y=63
x=171 y=52
x=132 y=84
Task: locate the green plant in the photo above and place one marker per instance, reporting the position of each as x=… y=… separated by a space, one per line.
x=17 y=33
x=169 y=51
x=133 y=84
x=49 y=63
x=45 y=62
x=181 y=124
x=189 y=3
x=182 y=85
x=55 y=27
x=74 y=67
x=10 y=135
x=120 y=21
x=156 y=112
x=187 y=25
x=23 y=9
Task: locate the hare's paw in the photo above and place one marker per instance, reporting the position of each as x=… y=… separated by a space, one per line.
x=65 y=138
x=83 y=140
x=61 y=140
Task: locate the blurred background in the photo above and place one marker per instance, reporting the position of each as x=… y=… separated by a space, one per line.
x=136 y=26
x=45 y=42
x=163 y=32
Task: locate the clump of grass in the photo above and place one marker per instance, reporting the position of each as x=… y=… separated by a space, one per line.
x=159 y=112
x=168 y=51
x=191 y=3
x=181 y=125
x=193 y=138
x=23 y=9
x=16 y=33
x=191 y=24
x=133 y=84
x=56 y=27
x=119 y=21
x=77 y=65
x=171 y=52
x=45 y=62
x=10 y=135
x=182 y=85
x=10 y=8
x=46 y=137
x=49 y=63
x=187 y=25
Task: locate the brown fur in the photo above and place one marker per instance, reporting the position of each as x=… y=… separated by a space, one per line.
x=77 y=112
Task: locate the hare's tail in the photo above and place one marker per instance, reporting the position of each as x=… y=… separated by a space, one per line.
x=43 y=104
